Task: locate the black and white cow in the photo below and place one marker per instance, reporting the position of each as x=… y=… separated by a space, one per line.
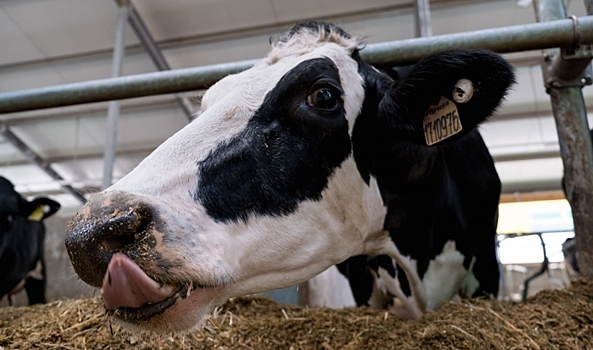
x=308 y=158
x=22 y=236
x=444 y=201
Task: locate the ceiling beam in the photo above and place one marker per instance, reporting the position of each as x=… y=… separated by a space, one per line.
x=531 y=196
x=155 y=54
x=40 y=162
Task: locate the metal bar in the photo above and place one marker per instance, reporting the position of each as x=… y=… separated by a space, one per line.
x=576 y=150
x=506 y=39
x=113 y=109
x=589 y=7
x=157 y=56
x=511 y=157
x=129 y=86
x=543 y=268
x=422 y=18
x=40 y=162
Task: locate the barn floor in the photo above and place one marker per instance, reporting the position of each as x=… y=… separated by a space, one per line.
x=559 y=319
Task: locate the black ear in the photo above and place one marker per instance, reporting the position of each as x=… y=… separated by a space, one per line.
x=436 y=76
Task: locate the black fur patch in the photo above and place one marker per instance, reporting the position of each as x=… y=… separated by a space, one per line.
x=285 y=155
x=438 y=193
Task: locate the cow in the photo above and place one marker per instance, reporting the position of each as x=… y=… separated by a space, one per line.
x=309 y=158
x=22 y=237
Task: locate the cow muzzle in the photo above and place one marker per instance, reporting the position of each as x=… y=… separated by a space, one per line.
x=113 y=243
x=110 y=224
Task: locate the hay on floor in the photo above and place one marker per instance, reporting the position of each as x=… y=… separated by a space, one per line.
x=559 y=319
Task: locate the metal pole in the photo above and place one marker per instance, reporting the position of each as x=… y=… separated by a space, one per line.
x=506 y=39
x=129 y=86
x=113 y=109
x=576 y=151
x=156 y=55
x=422 y=18
x=40 y=162
x=589 y=7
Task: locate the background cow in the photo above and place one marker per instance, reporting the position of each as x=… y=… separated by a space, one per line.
x=307 y=159
x=22 y=236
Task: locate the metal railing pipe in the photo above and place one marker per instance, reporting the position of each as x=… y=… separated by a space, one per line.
x=129 y=86
x=534 y=36
x=559 y=33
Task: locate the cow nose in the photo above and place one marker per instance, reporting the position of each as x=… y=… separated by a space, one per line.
x=107 y=225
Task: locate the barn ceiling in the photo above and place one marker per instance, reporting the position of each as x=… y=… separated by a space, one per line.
x=51 y=42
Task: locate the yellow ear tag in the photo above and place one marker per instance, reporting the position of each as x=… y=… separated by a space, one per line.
x=441 y=121
x=37 y=214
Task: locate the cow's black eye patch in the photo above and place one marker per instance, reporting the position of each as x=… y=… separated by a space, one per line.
x=286 y=153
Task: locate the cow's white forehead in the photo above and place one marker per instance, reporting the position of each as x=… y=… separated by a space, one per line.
x=307 y=40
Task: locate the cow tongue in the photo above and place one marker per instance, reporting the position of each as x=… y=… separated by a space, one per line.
x=126 y=285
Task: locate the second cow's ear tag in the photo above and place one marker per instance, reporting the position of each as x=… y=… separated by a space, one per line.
x=441 y=121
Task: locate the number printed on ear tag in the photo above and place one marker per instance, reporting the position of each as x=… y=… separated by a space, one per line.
x=441 y=121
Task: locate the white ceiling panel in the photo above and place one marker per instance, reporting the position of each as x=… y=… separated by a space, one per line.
x=218 y=52
x=12 y=79
x=287 y=10
x=21 y=48
x=66 y=27
x=255 y=13
x=149 y=128
x=187 y=17
x=29 y=178
x=10 y=155
x=381 y=28
x=74 y=136
x=77 y=70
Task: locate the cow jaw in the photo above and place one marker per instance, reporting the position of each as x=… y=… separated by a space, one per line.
x=129 y=294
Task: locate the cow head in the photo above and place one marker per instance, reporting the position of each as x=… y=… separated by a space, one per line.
x=272 y=184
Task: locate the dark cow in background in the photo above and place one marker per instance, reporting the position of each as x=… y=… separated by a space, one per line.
x=297 y=164
x=22 y=235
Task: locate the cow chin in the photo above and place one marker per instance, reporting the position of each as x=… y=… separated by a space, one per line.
x=183 y=311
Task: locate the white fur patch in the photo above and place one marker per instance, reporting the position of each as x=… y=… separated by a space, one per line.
x=444 y=276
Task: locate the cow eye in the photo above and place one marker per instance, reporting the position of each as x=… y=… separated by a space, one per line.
x=324 y=98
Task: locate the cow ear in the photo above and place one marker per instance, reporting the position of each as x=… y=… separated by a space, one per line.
x=446 y=95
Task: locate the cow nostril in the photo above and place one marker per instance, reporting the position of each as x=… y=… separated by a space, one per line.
x=124 y=230
x=117 y=242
